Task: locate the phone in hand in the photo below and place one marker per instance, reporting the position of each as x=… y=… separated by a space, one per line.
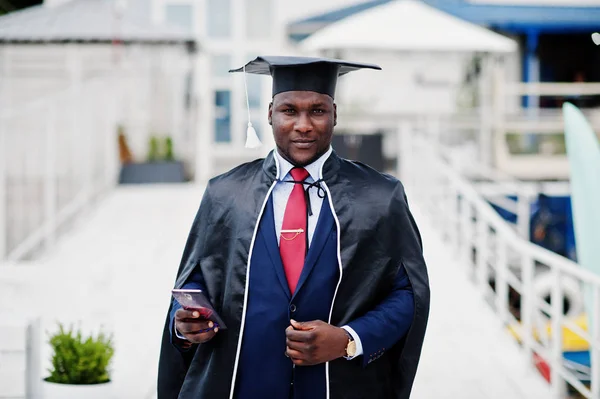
x=194 y=299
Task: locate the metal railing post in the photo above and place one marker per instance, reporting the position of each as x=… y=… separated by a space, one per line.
x=86 y=137
x=501 y=279
x=3 y=193
x=527 y=305
x=50 y=189
x=482 y=254
x=556 y=362
x=4 y=99
x=466 y=248
x=454 y=218
x=523 y=212
x=110 y=136
x=594 y=318
x=33 y=360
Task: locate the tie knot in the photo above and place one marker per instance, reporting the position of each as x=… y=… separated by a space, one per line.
x=299 y=174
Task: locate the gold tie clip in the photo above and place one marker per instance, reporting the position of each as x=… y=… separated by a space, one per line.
x=297 y=231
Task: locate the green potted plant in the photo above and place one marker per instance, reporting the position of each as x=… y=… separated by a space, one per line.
x=169 y=156
x=153 y=152
x=79 y=365
x=161 y=165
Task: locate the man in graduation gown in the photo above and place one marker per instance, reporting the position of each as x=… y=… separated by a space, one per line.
x=313 y=262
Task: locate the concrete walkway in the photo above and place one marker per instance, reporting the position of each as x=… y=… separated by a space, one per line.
x=117 y=266
x=115 y=269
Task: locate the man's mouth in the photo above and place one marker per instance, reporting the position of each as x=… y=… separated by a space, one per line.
x=303 y=144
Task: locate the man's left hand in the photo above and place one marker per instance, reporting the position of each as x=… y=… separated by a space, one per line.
x=315 y=342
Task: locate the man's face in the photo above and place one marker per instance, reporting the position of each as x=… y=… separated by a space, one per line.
x=303 y=124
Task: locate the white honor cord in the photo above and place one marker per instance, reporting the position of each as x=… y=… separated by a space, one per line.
x=247 y=100
x=252 y=140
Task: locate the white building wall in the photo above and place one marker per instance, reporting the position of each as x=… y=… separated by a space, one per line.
x=408 y=83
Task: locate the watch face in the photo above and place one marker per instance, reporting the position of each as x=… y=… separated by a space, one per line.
x=351 y=349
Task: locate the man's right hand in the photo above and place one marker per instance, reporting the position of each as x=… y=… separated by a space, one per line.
x=188 y=324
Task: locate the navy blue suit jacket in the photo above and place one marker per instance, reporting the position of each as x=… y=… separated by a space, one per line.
x=263 y=366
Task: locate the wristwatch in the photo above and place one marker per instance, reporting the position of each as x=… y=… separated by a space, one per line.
x=351 y=347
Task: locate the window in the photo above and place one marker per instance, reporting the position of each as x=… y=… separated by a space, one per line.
x=222 y=116
x=180 y=15
x=219 y=18
x=259 y=19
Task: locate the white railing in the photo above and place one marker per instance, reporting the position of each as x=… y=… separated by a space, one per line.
x=491 y=250
x=511 y=124
x=56 y=155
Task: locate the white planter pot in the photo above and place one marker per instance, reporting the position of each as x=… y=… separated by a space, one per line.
x=51 y=390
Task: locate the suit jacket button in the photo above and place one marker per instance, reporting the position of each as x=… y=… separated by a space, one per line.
x=292 y=308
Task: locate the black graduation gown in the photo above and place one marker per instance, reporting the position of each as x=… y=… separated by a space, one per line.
x=377 y=234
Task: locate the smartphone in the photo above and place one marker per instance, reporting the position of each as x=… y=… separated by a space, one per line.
x=192 y=299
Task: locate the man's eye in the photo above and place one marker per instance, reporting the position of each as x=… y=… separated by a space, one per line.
x=319 y=111
x=288 y=111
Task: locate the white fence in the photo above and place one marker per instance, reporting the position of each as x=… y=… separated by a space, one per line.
x=491 y=250
x=506 y=129
x=56 y=155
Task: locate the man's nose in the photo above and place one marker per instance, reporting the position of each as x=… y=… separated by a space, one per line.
x=303 y=123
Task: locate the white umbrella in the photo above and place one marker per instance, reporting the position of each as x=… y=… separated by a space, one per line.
x=407 y=25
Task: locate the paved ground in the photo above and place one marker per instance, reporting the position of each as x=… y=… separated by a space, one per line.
x=117 y=267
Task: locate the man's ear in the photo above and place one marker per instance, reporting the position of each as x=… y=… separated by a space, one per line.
x=270 y=115
x=334 y=114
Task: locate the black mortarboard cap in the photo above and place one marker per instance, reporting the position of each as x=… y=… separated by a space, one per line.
x=302 y=73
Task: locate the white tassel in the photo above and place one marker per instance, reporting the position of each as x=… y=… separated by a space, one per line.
x=252 y=140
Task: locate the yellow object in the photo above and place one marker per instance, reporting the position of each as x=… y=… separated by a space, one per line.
x=572 y=342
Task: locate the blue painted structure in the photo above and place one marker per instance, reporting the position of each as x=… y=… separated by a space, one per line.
x=551 y=221
x=529 y=21
x=509 y=19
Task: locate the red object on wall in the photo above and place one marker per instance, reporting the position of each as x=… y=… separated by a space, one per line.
x=542 y=366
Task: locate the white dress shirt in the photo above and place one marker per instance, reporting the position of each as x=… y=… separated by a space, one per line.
x=281 y=193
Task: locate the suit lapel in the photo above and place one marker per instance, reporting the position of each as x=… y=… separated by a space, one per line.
x=320 y=237
x=267 y=229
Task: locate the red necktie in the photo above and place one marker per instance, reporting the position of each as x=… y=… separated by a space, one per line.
x=292 y=242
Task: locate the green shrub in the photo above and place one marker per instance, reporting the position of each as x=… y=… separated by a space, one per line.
x=153 y=150
x=169 y=156
x=77 y=360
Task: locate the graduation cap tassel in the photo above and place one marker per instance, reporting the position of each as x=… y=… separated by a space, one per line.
x=252 y=140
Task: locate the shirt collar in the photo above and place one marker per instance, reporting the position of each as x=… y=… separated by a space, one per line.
x=314 y=169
